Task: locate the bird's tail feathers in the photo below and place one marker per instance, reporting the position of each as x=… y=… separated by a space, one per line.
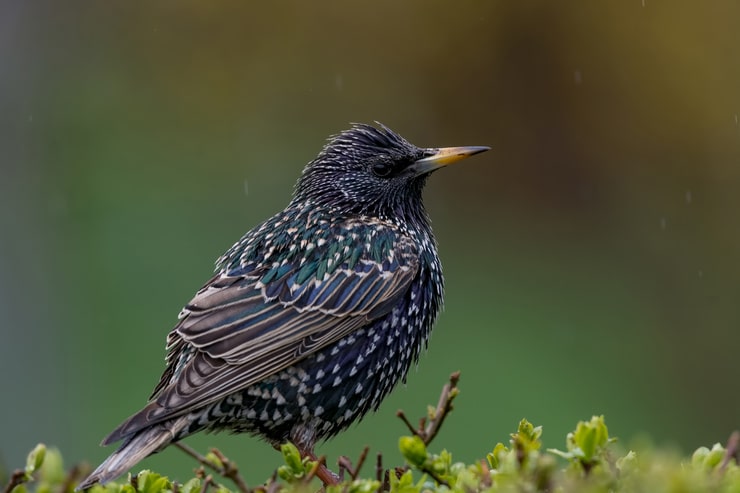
x=134 y=449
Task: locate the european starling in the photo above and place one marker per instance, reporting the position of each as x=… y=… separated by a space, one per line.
x=313 y=316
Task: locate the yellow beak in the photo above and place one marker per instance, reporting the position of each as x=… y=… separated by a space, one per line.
x=444 y=156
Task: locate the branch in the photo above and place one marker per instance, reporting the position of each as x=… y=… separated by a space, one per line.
x=227 y=470
x=427 y=470
x=70 y=479
x=346 y=465
x=208 y=482
x=427 y=431
x=444 y=406
x=19 y=477
x=732 y=450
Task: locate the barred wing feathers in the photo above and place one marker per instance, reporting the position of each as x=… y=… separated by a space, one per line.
x=255 y=320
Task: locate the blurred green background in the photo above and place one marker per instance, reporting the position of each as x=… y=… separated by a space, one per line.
x=592 y=257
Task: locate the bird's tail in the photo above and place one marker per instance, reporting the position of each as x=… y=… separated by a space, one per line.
x=134 y=449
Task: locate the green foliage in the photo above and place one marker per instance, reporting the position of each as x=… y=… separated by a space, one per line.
x=591 y=466
x=296 y=468
x=587 y=445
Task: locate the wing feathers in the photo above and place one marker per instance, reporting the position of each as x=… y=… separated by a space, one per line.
x=256 y=320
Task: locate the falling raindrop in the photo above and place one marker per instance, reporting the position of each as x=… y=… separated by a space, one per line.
x=246 y=187
x=689 y=198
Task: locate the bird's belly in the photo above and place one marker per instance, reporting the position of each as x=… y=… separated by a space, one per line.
x=328 y=390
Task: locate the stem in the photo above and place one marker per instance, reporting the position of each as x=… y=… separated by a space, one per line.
x=428 y=430
x=18 y=477
x=444 y=406
x=229 y=469
x=732 y=450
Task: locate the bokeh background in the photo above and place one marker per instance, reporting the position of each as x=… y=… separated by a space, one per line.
x=592 y=257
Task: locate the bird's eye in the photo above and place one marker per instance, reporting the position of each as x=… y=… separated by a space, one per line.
x=382 y=169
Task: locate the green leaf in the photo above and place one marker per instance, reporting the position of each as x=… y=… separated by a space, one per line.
x=191 y=486
x=363 y=486
x=404 y=484
x=413 y=450
x=151 y=482
x=627 y=464
x=292 y=458
x=494 y=457
x=35 y=458
x=52 y=470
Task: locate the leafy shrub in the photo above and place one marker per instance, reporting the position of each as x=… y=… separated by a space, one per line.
x=587 y=465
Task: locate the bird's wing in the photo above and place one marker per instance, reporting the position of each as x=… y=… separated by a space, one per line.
x=249 y=323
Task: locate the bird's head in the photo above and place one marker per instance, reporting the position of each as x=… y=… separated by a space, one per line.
x=373 y=171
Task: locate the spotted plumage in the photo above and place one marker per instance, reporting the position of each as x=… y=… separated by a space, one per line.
x=313 y=316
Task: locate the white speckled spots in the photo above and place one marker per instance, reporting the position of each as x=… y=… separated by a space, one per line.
x=278 y=397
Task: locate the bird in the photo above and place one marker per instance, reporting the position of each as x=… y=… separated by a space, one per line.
x=313 y=316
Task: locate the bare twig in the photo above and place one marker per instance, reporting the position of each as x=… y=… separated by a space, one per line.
x=228 y=470
x=206 y=483
x=134 y=481
x=732 y=450
x=70 y=479
x=18 y=477
x=195 y=455
x=316 y=470
x=486 y=479
x=379 y=468
x=428 y=430
x=273 y=486
x=444 y=406
x=386 y=486
x=434 y=475
x=231 y=471
x=406 y=421
x=430 y=426
x=346 y=465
